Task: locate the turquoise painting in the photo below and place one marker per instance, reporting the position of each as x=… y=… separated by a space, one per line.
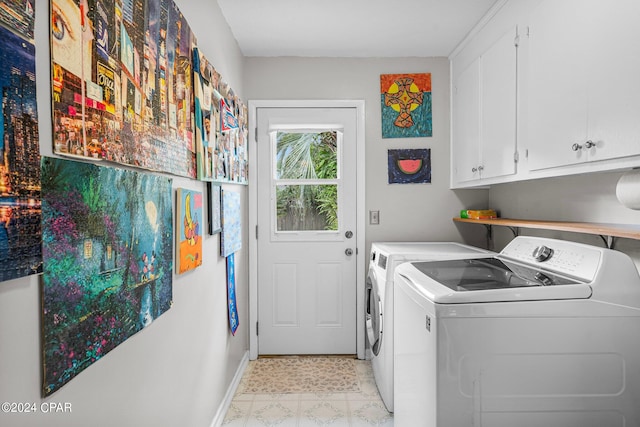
x=107 y=251
x=405 y=100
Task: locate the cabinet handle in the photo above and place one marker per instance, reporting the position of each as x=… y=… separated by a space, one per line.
x=589 y=144
x=480 y=168
x=474 y=170
x=576 y=147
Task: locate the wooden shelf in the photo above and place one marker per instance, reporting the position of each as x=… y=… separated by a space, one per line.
x=607 y=231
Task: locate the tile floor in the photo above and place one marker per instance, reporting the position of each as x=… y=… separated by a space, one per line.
x=349 y=409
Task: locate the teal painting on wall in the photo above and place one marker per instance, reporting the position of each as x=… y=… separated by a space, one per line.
x=108 y=260
x=406 y=105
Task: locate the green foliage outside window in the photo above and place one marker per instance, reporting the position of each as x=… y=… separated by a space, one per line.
x=307 y=156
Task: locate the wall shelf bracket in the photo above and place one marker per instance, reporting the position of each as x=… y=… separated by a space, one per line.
x=609 y=241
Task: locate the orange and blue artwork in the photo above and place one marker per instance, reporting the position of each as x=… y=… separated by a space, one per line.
x=189 y=220
x=410 y=166
x=406 y=105
x=107 y=243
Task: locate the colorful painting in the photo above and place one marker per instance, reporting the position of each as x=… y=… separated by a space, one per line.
x=409 y=166
x=207 y=114
x=232 y=306
x=231 y=151
x=213 y=205
x=20 y=208
x=122 y=83
x=108 y=261
x=406 y=105
x=189 y=219
x=231 y=240
x=19 y=16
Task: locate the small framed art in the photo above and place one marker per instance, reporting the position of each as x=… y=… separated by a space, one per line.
x=213 y=208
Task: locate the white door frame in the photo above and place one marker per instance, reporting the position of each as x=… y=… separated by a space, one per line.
x=360 y=203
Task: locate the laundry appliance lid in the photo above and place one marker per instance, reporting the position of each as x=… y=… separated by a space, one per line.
x=489 y=280
x=387 y=254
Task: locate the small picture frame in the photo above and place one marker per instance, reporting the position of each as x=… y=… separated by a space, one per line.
x=213 y=208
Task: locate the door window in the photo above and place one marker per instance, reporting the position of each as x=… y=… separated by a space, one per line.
x=306 y=190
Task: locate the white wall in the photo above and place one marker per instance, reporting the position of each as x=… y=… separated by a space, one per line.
x=411 y=212
x=176 y=371
x=584 y=197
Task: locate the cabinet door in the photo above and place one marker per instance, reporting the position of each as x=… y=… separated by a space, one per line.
x=557 y=90
x=614 y=78
x=466 y=124
x=498 y=107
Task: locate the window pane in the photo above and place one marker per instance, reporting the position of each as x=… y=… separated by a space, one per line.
x=310 y=155
x=307 y=207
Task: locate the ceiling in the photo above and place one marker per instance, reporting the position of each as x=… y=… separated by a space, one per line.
x=351 y=28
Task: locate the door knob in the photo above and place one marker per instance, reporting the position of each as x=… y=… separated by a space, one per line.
x=348 y=251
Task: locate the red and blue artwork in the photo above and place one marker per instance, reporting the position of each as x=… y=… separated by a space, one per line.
x=406 y=105
x=410 y=166
x=229 y=120
x=108 y=261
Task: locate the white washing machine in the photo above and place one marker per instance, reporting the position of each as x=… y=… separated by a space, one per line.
x=385 y=257
x=547 y=333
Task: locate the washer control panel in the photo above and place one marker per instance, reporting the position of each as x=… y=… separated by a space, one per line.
x=542 y=253
x=560 y=256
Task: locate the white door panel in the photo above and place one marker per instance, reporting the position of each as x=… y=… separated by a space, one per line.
x=306 y=280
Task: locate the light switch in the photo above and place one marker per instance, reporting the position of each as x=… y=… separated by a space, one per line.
x=374 y=217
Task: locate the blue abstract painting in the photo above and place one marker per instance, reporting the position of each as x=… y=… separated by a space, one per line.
x=231 y=294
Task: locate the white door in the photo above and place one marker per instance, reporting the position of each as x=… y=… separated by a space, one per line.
x=306 y=217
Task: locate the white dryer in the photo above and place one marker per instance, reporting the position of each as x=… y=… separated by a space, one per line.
x=547 y=333
x=385 y=257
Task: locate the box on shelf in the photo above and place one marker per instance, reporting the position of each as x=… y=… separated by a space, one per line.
x=478 y=214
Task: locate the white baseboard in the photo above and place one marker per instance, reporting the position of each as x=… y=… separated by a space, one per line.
x=228 y=397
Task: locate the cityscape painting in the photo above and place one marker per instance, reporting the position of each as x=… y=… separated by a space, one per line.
x=20 y=209
x=122 y=83
x=108 y=261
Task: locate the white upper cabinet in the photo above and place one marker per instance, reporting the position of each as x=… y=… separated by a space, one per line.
x=498 y=107
x=583 y=82
x=484 y=114
x=466 y=124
